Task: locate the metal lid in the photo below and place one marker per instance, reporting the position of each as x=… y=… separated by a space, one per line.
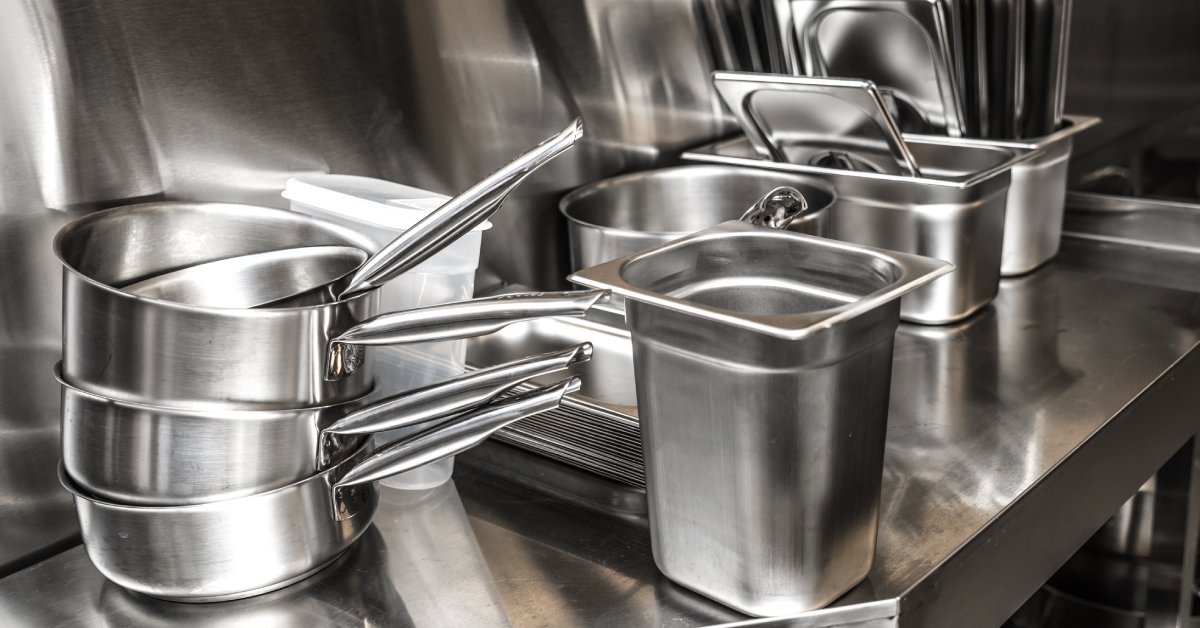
x=838 y=123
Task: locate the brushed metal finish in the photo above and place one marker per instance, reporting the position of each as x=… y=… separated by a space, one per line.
x=250 y=545
x=992 y=480
x=777 y=209
x=909 y=47
x=139 y=454
x=1033 y=215
x=624 y=215
x=456 y=216
x=127 y=347
x=221 y=550
x=763 y=363
x=248 y=281
x=35 y=511
x=452 y=321
x=840 y=116
x=954 y=213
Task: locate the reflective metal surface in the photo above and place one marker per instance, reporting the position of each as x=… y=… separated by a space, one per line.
x=910 y=47
x=763 y=363
x=595 y=429
x=249 y=545
x=127 y=347
x=220 y=100
x=454 y=218
x=138 y=454
x=36 y=514
x=988 y=487
x=838 y=115
x=955 y=212
x=1167 y=225
x=247 y=281
x=624 y=215
x=1033 y=215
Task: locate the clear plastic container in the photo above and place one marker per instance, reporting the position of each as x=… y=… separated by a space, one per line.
x=382 y=210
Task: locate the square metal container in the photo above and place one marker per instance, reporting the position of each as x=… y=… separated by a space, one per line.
x=1036 y=197
x=954 y=211
x=762 y=361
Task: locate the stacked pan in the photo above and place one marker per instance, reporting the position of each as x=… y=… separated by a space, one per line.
x=213 y=452
x=217 y=391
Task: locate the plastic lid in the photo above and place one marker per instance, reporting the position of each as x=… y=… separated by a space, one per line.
x=367 y=200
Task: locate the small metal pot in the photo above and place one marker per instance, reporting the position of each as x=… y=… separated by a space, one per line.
x=133 y=348
x=139 y=454
x=631 y=213
x=250 y=545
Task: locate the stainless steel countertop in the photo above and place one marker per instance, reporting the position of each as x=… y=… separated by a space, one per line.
x=1012 y=437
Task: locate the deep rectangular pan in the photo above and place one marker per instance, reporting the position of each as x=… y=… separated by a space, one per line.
x=954 y=211
x=1034 y=216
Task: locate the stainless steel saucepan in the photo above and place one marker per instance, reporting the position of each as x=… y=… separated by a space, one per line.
x=133 y=348
x=250 y=545
x=140 y=454
x=317 y=275
x=634 y=212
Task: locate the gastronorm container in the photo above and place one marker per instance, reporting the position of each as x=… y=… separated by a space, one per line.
x=762 y=361
x=935 y=197
x=1033 y=218
x=954 y=211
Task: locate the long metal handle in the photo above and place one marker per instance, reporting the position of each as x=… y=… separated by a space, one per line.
x=458 y=395
x=452 y=437
x=452 y=321
x=457 y=216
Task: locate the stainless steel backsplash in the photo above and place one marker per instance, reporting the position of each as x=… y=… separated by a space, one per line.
x=108 y=101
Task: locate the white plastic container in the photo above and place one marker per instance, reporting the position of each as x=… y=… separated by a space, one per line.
x=382 y=210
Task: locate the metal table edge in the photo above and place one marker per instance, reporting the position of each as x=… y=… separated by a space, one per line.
x=1172 y=396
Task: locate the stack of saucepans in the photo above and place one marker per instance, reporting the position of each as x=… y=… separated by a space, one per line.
x=217 y=397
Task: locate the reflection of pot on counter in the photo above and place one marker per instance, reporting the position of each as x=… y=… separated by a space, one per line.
x=352 y=591
x=1028 y=326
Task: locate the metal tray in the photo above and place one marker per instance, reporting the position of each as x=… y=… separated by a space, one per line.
x=595 y=429
x=763 y=360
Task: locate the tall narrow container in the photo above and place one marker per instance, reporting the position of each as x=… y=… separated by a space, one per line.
x=762 y=361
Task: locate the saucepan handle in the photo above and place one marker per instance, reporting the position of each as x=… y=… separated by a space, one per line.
x=446 y=399
x=457 y=216
x=452 y=321
x=446 y=439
